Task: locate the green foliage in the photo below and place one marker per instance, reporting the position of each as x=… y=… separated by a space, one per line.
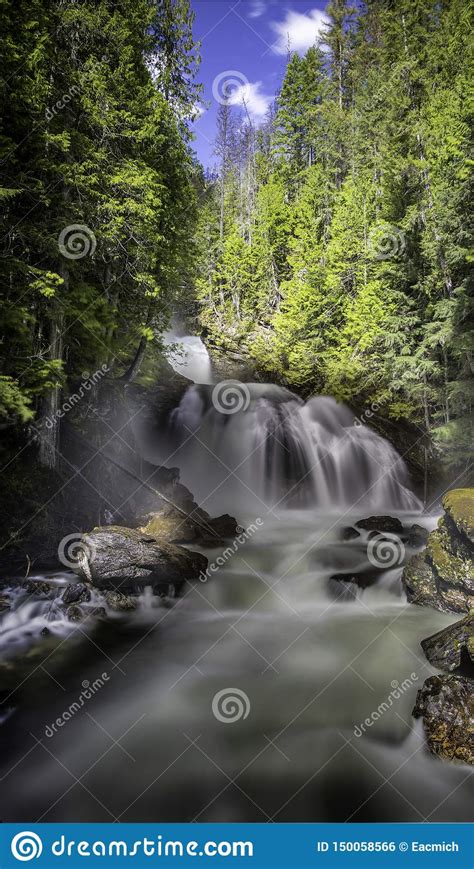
x=93 y=135
x=14 y=403
x=344 y=258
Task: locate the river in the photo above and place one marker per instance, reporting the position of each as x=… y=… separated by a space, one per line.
x=271 y=691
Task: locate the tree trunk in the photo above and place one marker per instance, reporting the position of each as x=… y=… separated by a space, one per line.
x=137 y=361
x=49 y=422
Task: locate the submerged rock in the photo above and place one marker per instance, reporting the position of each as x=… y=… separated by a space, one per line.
x=363 y=579
x=118 y=557
x=75 y=613
x=349 y=533
x=446 y=705
x=452 y=648
x=37 y=587
x=380 y=524
x=442 y=576
x=118 y=601
x=77 y=592
x=414 y=535
x=342 y=587
x=4 y=604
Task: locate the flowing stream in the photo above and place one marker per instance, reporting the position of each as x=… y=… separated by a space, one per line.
x=275 y=689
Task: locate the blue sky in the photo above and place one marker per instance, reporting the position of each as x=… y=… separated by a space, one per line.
x=244 y=49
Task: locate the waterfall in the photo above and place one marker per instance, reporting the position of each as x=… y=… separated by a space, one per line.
x=259 y=444
x=188 y=356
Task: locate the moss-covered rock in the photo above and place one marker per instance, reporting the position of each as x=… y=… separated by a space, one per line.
x=459 y=505
x=446 y=705
x=442 y=576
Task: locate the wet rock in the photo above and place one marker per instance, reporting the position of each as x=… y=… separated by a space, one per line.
x=118 y=601
x=99 y=612
x=196 y=527
x=446 y=705
x=363 y=579
x=417 y=536
x=381 y=524
x=4 y=604
x=452 y=648
x=37 y=587
x=442 y=576
x=77 y=592
x=349 y=533
x=117 y=557
x=341 y=588
x=75 y=613
x=225 y=527
x=45 y=632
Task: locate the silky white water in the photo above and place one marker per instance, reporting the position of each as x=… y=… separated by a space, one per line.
x=188 y=356
x=277 y=450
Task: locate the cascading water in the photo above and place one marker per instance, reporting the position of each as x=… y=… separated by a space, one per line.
x=188 y=356
x=250 y=444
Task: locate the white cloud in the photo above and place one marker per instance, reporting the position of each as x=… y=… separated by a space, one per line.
x=257 y=8
x=197 y=111
x=251 y=95
x=299 y=30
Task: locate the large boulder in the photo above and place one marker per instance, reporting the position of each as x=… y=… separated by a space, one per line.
x=195 y=527
x=446 y=705
x=442 y=576
x=118 y=557
x=452 y=649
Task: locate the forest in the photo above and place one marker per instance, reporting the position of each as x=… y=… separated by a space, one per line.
x=336 y=237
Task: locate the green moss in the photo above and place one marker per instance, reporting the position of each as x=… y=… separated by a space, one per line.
x=449 y=567
x=459 y=505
